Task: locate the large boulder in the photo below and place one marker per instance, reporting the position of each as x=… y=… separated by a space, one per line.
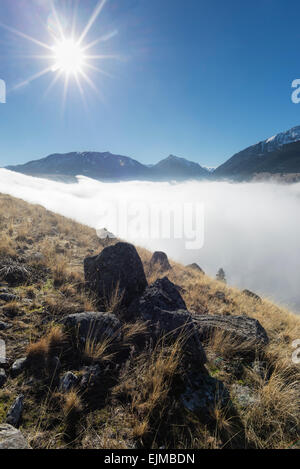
x=94 y=326
x=160 y=261
x=11 y=438
x=161 y=295
x=244 y=330
x=164 y=310
x=116 y=267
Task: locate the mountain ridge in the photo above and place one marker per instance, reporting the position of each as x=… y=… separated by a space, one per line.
x=107 y=166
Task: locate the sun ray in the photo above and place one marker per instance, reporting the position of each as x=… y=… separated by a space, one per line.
x=97 y=69
x=103 y=57
x=56 y=17
x=66 y=84
x=100 y=39
x=92 y=20
x=53 y=82
x=33 y=77
x=25 y=36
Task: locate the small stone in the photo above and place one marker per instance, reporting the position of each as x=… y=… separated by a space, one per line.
x=15 y=412
x=68 y=381
x=4 y=326
x=3 y=377
x=244 y=395
x=8 y=297
x=18 y=367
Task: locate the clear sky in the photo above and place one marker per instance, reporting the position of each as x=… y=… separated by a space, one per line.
x=201 y=79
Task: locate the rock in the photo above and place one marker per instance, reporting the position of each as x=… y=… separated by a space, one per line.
x=8 y=297
x=4 y=326
x=202 y=393
x=196 y=268
x=91 y=376
x=13 y=272
x=18 y=367
x=163 y=308
x=94 y=326
x=243 y=395
x=242 y=328
x=161 y=295
x=116 y=267
x=219 y=295
x=11 y=438
x=15 y=413
x=37 y=257
x=252 y=295
x=160 y=261
x=3 y=377
x=68 y=381
x=260 y=368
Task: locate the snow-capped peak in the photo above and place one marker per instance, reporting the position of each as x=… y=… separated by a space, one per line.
x=283 y=138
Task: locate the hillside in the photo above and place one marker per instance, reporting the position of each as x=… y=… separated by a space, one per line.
x=121 y=389
x=109 y=167
x=277 y=156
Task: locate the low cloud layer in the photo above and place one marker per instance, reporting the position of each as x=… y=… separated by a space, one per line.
x=251 y=230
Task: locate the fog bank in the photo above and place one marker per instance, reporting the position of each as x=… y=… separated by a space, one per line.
x=251 y=230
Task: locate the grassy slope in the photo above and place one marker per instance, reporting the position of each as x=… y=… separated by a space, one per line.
x=273 y=422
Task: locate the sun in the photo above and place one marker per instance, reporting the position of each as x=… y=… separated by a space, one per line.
x=69 y=57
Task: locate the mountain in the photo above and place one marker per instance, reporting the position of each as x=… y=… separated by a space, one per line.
x=276 y=155
x=177 y=168
x=106 y=166
x=89 y=164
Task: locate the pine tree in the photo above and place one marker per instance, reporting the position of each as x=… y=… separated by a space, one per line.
x=221 y=277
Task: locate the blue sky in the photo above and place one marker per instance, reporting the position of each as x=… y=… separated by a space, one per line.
x=201 y=79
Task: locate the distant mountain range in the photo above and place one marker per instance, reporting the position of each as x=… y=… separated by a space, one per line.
x=106 y=166
x=277 y=156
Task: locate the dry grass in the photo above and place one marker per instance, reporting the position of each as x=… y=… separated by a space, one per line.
x=147 y=386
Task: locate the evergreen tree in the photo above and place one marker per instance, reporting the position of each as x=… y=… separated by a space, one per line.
x=221 y=277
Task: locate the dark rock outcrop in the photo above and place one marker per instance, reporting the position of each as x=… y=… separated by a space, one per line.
x=160 y=261
x=242 y=328
x=94 y=326
x=161 y=295
x=116 y=267
x=163 y=308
